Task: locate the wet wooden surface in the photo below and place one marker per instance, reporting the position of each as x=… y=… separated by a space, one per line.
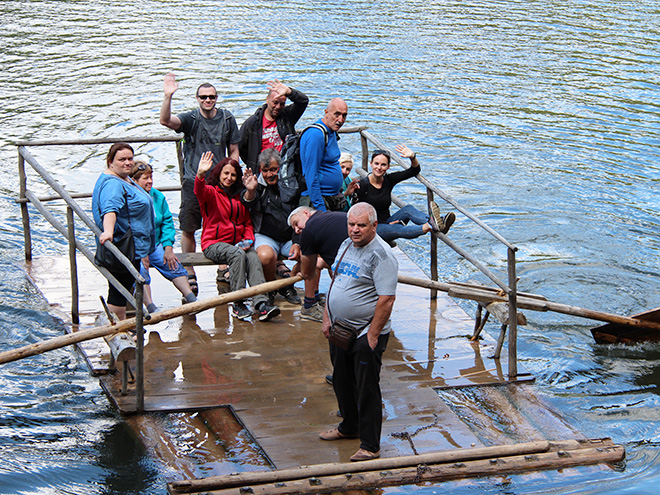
x=273 y=373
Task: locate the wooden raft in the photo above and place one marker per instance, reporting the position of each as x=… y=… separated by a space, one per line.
x=267 y=380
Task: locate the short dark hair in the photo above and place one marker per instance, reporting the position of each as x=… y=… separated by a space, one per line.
x=206 y=85
x=114 y=149
x=214 y=175
x=268 y=155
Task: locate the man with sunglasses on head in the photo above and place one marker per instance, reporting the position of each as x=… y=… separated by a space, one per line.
x=269 y=126
x=206 y=128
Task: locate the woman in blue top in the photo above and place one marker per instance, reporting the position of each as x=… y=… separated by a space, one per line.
x=376 y=189
x=162 y=258
x=117 y=204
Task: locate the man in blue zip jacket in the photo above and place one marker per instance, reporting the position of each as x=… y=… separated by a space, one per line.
x=320 y=160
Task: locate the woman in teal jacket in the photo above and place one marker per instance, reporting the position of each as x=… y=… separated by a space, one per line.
x=162 y=257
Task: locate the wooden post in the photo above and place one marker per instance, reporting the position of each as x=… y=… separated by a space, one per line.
x=22 y=186
x=433 y=251
x=365 y=152
x=139 y=358
x=73 y=266
x=513 y=315
x=179 y=158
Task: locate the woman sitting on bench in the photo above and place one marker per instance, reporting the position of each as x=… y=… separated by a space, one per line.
x=162 y=257
x=376 y=189
x=227 y=233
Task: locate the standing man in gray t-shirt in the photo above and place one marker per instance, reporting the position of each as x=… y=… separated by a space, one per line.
x=362 y=293
x=206 y=128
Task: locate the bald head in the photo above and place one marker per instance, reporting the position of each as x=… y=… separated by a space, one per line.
x=335 y=114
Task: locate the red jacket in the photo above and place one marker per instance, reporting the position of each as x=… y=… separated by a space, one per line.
x=224 y=218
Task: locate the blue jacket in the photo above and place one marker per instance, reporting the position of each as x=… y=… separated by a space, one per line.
x=320 y=165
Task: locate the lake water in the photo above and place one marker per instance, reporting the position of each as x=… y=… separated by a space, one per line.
x=541 y=117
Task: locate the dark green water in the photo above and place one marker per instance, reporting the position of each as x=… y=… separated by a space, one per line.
x=541 y=117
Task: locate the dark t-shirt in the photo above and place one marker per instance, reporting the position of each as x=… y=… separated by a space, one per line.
x=381 y=198
x=323 y=234
x=202 y=134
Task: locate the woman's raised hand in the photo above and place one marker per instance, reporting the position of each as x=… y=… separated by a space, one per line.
x=404 y=151
x=205 y=164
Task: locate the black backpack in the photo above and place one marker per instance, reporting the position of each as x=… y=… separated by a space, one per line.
x=291 y=178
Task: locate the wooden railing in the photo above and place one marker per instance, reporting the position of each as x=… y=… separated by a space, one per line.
x=27 y=196
x=509 y=288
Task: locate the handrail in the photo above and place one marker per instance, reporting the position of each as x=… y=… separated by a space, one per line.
x=74 y=206
x=365 y=137
x=25 y=196
x=510 y=288
x=106 y=140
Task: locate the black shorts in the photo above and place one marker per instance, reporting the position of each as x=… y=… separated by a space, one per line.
x=190 y=216
x=126 y=279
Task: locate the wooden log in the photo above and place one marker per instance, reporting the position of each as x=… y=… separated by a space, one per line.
x=121 y=346
x=536 y=304
x=370 y=478
x=124 y=325
x=457 y=455
x=501 y=312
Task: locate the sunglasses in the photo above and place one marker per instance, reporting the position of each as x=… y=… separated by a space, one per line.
x=207 y=97
x=143 y=166
x=380 y=152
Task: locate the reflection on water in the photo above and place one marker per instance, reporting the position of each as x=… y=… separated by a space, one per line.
x=540 y=117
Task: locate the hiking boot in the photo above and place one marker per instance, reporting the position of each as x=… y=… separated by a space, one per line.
x=241 y=311
x=290 y=294
x=315 y=313
x=267 y=311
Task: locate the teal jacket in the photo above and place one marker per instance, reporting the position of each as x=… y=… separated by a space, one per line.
x=164 y=224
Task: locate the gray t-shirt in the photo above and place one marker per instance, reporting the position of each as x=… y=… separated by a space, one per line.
x=364 y=274
x=202 y=134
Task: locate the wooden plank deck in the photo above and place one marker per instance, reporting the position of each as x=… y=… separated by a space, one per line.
x=273 y=373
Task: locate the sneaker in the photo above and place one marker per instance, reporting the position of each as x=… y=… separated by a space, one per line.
x=328 y=379
x=437 y=221
x=448 y=221
x=267 y=311
x=241 y=311
x=290 y=294
x=315 y=313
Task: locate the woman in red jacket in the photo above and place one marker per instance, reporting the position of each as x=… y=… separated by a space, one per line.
x=227 y=233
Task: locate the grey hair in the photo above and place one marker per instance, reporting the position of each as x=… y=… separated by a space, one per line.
x=268 y=155
x=298 y=210
x=360 y=208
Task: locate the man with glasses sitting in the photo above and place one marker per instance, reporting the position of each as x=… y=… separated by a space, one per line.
x=206 y=128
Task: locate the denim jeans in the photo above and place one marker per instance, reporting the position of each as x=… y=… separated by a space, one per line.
x=406 y=214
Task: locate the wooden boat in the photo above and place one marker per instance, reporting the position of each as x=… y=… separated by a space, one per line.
x=611 y=333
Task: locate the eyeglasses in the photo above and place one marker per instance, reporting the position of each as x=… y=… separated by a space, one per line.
x=144 y=166
x=380 y=152
x=207 y=97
